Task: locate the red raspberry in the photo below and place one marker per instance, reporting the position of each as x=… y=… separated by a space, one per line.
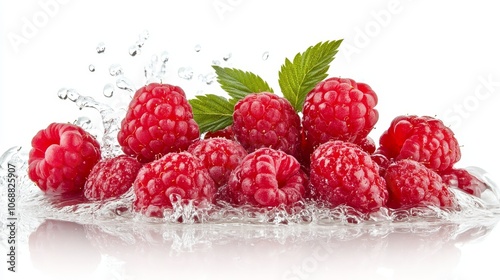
x=267 y=177
x=180 y=174
x=226 y=132
x=423 y=139
x=367 y=144
x=220 y=156
x=412 y=184
x=111 y=177
x=462 y=179
x=61 y=158
x=159 y=120
x=267 y=120
x=343 y=174
x=339 y=109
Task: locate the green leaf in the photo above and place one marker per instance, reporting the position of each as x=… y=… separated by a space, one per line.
x=212 y=112
x=298 y=77
x=238 y=83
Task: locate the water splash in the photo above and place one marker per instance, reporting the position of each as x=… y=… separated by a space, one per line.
x=110 y=117
x=265 y=56
x=101 y=47
x=227 y=56
x=135 y=49
x=126 y=84
x=185 y=73
x=108 y=90
x=197 y=48
x=115 y=70
x=208 y=78
x=156 y=69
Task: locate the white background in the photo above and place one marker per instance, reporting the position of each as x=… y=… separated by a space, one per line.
x=421 y=57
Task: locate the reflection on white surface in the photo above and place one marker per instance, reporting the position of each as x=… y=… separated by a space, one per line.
x=427 y=251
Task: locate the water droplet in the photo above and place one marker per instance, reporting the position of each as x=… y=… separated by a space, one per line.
x=207 y=78
x=227 y=56
x=100 y=47
x=83 y=122
x=91 y=68
x=108 y=90
x=115 y=70
x=164 y=57
x=186 y=73
x=144 y=35
x=197 y=48
x=134 y=50
x=63 y=93
x=124 y=84
x=265 y=55
x=72 y=94
x=216 y=62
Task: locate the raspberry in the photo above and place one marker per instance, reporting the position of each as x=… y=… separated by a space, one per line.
x=220 y=156
x=159 y=120
x=226 y=132
x=267 y=177
x=412 y=184
x=111 y=177
x=180 y=174
x=339 y=109
x=423 y=139
x=343 y=174
x=267 y=120
x=462 y=179
x=61 y=158
x=367 y=144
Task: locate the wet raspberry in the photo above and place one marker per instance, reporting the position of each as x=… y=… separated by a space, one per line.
x=343 y=174
x=61 y=158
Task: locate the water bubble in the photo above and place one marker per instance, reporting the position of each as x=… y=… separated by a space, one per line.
x=227 y=56
x=197 y=48
x=134 y=50
x=115 y=70
x=186 y=73
x=108 y=90
x=100 y=47
x=265 y=55
x=91 y=68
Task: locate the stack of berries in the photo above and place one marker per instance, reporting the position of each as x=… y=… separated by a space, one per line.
x=259 y=148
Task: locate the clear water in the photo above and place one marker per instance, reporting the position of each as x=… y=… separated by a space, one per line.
x=190 y=226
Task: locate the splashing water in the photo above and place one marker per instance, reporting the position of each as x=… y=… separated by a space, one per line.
x=197 y=48
x=108 y=90
x=156 y=70
x=265 y=56
x=31 y=200
x=304 y=219
x=101 y=47
x=186 y=73
x=115 y=70
x=136 y=48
